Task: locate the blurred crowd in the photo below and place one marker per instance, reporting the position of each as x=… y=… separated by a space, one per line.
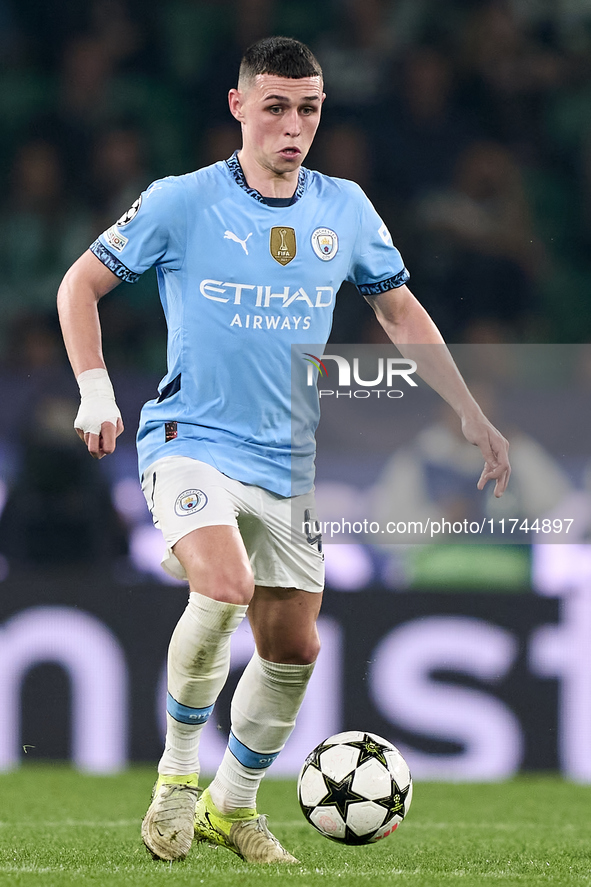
x=468 y=123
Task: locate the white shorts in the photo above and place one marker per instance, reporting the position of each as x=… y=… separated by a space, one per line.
x=184 y=494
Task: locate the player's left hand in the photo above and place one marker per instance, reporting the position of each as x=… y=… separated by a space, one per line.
x=495 y=450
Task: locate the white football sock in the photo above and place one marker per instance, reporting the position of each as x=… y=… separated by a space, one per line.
x=198 y=666
x=263 y=713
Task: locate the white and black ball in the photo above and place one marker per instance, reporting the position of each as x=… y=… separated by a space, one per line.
x=355 y=788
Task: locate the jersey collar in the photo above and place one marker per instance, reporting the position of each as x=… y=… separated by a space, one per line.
x=238 y=176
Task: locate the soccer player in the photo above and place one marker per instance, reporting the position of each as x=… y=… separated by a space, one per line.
x=250 y=253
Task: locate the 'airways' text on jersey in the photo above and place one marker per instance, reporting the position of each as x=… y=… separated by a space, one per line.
x=262 y=296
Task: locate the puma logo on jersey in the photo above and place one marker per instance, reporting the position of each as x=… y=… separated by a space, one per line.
x=229 y=235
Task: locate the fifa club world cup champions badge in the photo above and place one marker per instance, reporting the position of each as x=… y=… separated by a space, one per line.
x=283 y=245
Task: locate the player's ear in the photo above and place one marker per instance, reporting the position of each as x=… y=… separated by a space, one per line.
x=235 y=102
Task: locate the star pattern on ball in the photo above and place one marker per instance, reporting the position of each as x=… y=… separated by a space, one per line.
x=369 y=748
x=395 y=803
x=340 y=794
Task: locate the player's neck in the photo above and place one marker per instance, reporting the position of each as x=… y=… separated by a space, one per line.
x=267 y=182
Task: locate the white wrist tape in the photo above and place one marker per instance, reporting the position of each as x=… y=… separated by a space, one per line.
x=97 y=401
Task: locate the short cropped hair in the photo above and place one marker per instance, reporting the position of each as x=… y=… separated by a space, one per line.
x=281 y=56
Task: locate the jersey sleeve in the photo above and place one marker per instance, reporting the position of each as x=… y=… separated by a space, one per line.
x=151 y=232
x=376 y=265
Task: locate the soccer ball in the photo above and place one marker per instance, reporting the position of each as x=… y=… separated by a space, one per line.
x=355 y=788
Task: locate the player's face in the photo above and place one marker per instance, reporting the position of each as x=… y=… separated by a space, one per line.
x=279 y=118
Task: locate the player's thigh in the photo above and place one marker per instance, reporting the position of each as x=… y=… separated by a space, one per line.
x=196 y=508
x=216 y=564
x=283 y=622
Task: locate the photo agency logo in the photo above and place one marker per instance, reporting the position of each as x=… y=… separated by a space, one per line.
x=385 y=373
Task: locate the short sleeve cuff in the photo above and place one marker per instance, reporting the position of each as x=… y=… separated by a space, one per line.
x=374 y=289
x=113 y=264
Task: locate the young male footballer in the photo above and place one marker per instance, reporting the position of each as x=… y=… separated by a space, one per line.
x=250 y=253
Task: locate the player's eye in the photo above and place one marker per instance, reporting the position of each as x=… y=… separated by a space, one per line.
x=275 y=109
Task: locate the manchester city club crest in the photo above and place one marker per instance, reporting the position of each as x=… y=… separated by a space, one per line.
x=325 y=243
x=190 y=501
x=282 y=244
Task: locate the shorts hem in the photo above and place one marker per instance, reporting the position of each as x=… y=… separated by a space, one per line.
x=172 y=540
x=318 y=589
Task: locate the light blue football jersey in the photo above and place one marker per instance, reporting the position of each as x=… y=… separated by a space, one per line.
x=242 y=281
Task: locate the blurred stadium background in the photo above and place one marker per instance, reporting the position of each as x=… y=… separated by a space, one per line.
x=468 y=123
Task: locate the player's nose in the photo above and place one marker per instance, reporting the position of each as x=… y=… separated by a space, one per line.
x=292 y=123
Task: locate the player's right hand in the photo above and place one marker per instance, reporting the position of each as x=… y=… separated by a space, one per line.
x=103 y=443
x=98 y=422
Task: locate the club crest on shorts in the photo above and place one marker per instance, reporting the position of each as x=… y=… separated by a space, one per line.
x=325 y=243
x=189 y=502
x=131 y=213
x=282 y=244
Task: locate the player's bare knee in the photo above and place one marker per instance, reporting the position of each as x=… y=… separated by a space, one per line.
x=297 y=652
x=309 y=654
x=230 y=586
x=237 y=589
